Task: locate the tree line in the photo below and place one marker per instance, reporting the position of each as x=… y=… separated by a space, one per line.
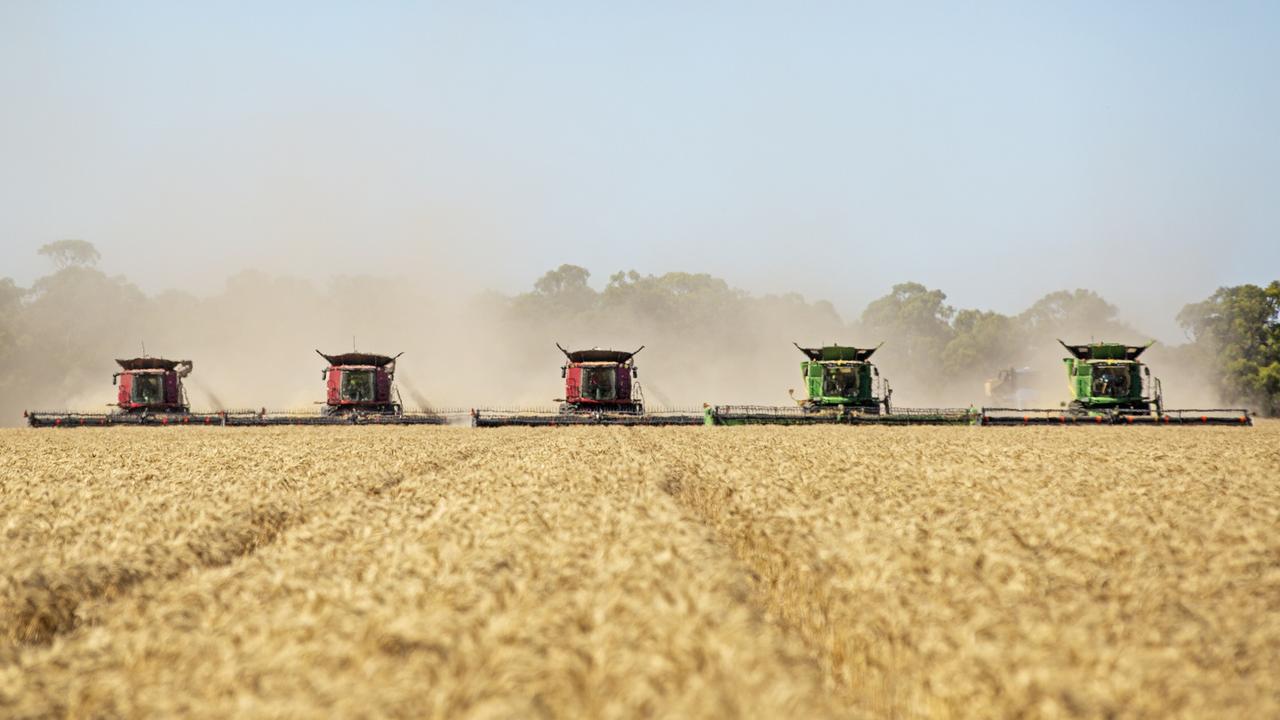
x=717 y=342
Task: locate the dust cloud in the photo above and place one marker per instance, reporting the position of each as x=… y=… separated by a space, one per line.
x=253 y=341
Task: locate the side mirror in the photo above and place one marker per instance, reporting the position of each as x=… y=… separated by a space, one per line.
x=114 y=378
x=1146 y=371
x=635 y=373
x=876 y=370
x=564 y=371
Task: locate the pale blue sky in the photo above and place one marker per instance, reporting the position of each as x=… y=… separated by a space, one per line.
x=995 y=150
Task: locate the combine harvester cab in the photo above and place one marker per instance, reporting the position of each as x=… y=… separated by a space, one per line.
x=152 y=385
x=359 y=389
x=601 y=387
x=360 y=383
x=1110 y=386
x=843 y=387
x=149 y=391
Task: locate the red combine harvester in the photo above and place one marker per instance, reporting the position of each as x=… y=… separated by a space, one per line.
x=360 y=390
x=600 y=388
x=360 y=382
x=150 y=392
x=598 y=380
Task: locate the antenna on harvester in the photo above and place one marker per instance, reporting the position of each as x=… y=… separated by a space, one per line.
x=144 y=348
x=353 y=343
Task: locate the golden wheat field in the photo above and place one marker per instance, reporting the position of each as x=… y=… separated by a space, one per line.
x=612 y=572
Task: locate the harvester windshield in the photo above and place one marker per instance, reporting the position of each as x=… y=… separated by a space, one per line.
x=1111 y=381
x=357 y=385
x=840 y=381
x=148 y=389
x=600 y=383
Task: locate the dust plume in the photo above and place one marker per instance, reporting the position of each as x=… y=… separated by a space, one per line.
x=253 y=341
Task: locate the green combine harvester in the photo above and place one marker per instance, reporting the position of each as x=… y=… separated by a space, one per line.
x=843 y=387
x=1109 y=385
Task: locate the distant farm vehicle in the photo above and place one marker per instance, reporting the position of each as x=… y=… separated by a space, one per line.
x=1011 y=387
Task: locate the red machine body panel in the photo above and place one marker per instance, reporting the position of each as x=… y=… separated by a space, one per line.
x=624 y=382
x=125 y=385
x=333 y=382
x=171 y=393
x=572 y=383
x=382 y=385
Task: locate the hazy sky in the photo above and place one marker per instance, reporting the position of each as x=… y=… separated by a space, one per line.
x=997 y=151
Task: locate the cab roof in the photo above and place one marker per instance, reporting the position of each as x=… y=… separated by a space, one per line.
x=835 y=353
x=599 y=355
x=149 y=363
x=1106 y=350
x=359 y=358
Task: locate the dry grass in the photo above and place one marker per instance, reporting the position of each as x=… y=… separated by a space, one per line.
x=767 y=572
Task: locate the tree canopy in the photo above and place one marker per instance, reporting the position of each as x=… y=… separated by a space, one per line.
x=1239 y=328
x=71 y=253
